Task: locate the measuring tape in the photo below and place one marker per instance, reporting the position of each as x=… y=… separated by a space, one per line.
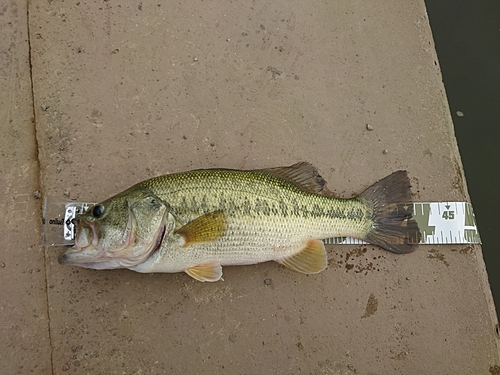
x=439 y=223
x=72 y=210
x=57 y=225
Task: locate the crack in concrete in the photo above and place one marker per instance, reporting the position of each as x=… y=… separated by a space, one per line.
x=38 y=179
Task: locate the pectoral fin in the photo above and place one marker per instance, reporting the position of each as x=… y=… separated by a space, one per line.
x=206 y=272
x=311 y=259
x=206 y=228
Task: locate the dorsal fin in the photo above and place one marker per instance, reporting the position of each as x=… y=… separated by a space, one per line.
x=303 y=175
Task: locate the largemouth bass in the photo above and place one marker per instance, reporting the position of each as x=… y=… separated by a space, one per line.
x=198 y=221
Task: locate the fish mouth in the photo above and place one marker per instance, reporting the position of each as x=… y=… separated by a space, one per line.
x=85 y=247
x=72 y=258
x=87 y=254
x=87 y=233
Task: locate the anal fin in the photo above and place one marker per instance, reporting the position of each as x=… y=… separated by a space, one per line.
x=311 y=259
x=206 y=272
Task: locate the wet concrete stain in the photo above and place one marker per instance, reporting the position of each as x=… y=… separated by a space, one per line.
x=348 y=261
x=495 y=370
x=458 y=180
x=333 y=367
x=465 y=250
x=371 y=306
x=435 y=254
x=400 y=356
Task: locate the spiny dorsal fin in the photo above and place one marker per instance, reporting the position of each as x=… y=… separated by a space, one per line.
x=206 y=228
x=311 y=259
x=304 y=175
x=206 y=272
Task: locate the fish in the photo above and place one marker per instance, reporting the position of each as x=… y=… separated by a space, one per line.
x=201 y=220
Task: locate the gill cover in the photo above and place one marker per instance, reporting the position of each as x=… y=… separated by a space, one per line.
x=119 y=232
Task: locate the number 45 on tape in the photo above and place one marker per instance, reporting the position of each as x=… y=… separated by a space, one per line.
x=439 y=223
x=446 y=222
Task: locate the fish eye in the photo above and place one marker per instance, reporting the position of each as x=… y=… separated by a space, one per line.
x=97 y=211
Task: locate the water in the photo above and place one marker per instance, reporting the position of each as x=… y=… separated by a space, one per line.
x=467 y=38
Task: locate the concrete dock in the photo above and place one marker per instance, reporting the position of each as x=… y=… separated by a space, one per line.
x=99 y=95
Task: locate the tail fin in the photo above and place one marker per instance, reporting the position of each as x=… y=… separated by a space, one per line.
x=393 y=229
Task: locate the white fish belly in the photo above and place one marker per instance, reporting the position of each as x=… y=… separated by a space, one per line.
x=248 y=241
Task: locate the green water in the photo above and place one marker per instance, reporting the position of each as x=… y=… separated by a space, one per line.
x=467 y=38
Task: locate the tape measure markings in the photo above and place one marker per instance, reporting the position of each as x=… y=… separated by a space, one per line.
x=439 y=222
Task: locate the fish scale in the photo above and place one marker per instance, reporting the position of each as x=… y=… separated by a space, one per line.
x=268 y=218
x=255 y=194
x=200 y=220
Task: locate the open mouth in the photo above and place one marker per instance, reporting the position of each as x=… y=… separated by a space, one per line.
x=132 y=251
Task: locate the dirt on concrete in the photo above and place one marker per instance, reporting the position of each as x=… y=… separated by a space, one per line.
x=101 y=95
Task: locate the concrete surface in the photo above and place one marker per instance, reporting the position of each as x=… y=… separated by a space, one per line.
x=24 y=325
x=126 y=90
